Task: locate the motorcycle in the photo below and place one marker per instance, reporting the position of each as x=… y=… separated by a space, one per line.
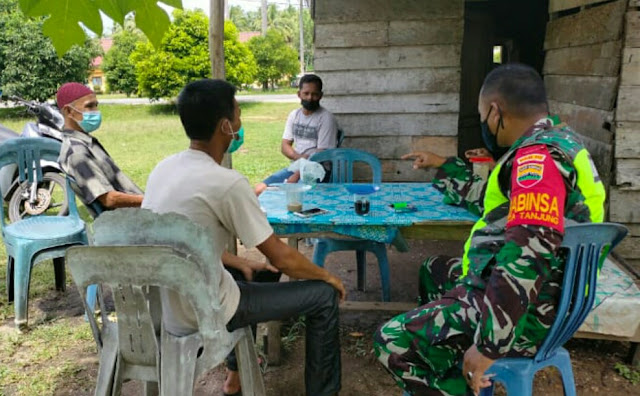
x=50 y=195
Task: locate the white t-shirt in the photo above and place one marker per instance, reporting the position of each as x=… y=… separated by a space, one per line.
x=313 y=132
x=193 y=184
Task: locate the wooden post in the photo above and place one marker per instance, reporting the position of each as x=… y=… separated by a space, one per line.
x=216 y=38
x=264 y=17
x=301 y=19
x=216 y=53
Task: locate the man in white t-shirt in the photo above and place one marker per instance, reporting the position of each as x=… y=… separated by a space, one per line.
x=309 y=129
x=193 y=183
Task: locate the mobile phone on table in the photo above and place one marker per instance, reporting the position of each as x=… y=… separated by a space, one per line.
x=310 y=212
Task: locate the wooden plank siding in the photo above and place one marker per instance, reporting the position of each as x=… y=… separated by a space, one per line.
x=561 y=5
x=591 y=26
x=391 y=73
x=625 y=195
x=582 y=71
x=601 y=59
x=587 y=91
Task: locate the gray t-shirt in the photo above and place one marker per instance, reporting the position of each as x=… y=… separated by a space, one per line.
x=317 y=131
x=191 y=183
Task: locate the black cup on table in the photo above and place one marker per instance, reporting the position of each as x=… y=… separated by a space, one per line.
x=361 y=204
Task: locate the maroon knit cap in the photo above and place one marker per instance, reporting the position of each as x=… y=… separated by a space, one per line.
x=71 y=91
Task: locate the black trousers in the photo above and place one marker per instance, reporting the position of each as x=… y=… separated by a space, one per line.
x=318 y=302
x=260 y=277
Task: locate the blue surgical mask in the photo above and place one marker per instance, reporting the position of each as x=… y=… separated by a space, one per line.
x=237 y=141
x=91 y=120
x=491 y=140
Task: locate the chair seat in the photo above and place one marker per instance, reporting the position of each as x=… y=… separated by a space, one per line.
x=44 y=227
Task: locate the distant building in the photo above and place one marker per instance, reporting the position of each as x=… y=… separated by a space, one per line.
x=97 y=79
x=246 y=36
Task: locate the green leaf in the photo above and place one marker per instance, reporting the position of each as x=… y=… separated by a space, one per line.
x=153 y=21
x=62 y=26
x=173 y=3
x=116 y=9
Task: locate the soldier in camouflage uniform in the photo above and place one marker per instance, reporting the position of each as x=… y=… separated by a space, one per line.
x=499 y=300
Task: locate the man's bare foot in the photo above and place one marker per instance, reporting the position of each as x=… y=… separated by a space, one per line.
x=232 y=383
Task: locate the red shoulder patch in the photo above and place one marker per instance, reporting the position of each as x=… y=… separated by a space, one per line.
x=537 y=190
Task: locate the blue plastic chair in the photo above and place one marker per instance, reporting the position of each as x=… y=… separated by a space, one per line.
x=587 y=246
x=342 y=163
x=36 y=238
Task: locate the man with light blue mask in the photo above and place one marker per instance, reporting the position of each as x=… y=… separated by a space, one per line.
x=82 y=157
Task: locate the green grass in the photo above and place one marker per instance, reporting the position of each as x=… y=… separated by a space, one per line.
x=137 y=137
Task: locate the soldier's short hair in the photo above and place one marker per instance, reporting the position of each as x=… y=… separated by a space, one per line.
x=519 y=86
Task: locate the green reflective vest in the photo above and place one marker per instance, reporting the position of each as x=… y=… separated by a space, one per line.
x=588 y=182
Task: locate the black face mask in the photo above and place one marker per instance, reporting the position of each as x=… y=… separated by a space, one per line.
x=491 y=140
x=311 y=105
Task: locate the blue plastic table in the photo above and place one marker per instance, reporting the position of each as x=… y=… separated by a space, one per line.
x=432 y=220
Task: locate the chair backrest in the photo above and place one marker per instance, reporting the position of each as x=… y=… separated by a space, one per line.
x=586 y=247
x=136 y=251
x=343 y=161
x=27 y=153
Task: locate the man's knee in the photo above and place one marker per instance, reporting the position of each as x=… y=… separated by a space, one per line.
x=326 y=294
x=387 y=340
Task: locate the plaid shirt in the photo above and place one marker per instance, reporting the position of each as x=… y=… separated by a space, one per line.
x=95 y=173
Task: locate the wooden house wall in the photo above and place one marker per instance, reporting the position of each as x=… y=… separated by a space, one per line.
x=625 y=192
x=583 y=47
x=391 y=73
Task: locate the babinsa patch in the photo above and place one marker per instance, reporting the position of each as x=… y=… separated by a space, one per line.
x=530 y=174
x=538 y=192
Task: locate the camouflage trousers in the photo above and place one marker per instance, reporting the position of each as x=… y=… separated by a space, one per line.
x=438 y=274
x=423 y=348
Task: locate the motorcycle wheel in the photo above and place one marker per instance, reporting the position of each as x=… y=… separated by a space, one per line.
x=51 y=198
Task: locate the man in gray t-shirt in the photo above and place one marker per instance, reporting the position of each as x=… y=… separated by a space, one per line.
x=309 y=129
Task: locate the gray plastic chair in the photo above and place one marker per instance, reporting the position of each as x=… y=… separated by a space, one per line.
x=158 y=251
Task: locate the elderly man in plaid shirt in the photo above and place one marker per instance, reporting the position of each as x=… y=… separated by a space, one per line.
x=82 y=156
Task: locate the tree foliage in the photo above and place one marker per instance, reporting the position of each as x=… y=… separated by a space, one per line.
x=239 y=63
x=118 y=68
x=64 y=18
x=29 y=64
x=284 y=20
x=274 y=57
x=183 y=56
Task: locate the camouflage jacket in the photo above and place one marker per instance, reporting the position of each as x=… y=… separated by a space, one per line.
x=513 y=255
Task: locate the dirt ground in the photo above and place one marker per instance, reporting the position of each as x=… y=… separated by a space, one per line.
x=593 y=361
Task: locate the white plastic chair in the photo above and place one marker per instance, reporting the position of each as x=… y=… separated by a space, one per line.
x=170 y=252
